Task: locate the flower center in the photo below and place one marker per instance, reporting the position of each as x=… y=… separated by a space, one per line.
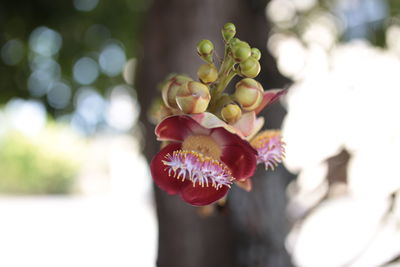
x=203 y=144
x=198 y=168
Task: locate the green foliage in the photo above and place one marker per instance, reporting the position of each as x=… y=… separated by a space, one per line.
x=34 y=166
x=83 y=33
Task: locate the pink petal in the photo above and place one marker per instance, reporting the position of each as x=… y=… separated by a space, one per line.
x=257 y=127
x=237 y=153
x=200 y=196
x=246 y=185
x=177 y=128
x=269 y=97
x=246 y=123
x=167 y=183
x=209 y=120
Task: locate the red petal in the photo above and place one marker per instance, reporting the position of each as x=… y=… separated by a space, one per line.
x=270 y=97
x=241 y=162
x=200 y=196
x=169 y=184
x=237 y=153
x=176 y=128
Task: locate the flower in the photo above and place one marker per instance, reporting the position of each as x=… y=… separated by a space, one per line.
x=202 y=160
x=270 y=148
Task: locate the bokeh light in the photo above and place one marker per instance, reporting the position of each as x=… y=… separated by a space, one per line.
x=59 y=95
x=85 y=5
x=112 y=59
x=45 y=41
x=12 y=52
x=85 y=70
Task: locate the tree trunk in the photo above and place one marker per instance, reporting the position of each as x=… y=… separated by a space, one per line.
x=251 y=230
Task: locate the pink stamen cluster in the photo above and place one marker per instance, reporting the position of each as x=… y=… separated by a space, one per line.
x=197 y=168
x=271 y=150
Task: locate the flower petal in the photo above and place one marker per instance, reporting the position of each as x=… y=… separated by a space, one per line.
x=257 y=127
x=237 y=153
x=242 y=163
x=245 y=184
x=177 y=128
x=246 y=124
x=209 y=120
x=200 y=196
x=269 y=97
x=160 y=176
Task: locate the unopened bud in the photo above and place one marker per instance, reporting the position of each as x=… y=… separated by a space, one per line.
x=249 y=68
x=205 y=48
x=207 y=73
x=228 y=31
x=255 y=53
x=171 y=87
x=249 y=94
x=241 y=51
x=231 y=113
x=234 y=41
x=193 y=98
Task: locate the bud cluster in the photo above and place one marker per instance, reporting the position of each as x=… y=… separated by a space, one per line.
x=182 y=94
x=213 y=136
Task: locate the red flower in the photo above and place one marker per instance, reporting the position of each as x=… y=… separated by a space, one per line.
x=202 y=160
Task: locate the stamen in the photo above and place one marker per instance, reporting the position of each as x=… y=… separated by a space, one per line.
x=198 y=168
x=270 y=148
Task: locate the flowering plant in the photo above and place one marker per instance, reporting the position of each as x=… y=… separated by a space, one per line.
x=210 y=138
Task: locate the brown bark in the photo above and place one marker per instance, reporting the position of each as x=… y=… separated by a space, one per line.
x=250 y=231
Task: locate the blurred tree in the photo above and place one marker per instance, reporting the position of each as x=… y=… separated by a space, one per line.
x=79 y=29
x=250 y=230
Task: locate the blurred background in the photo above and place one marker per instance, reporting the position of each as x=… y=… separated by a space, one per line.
x=77 y=78
x=72 y=180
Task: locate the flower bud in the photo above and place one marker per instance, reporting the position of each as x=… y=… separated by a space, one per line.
x=228 y=31
x=231 y=113
x=234 y=41
x=241 y=51
x=193 y=98
x=170 y=89
x=255 y=53
x=249 y=68
x=207 y=73
x=249 y=94
x=205 y=48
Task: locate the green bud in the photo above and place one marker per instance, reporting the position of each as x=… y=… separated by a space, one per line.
x=249 y=68
x=234 y=41
x=249 y=94
x=231 y=113
x=193 y=98
x=205 y=48
x=171 y=87
x=255 y=53
x=228 y=31
x=241 y=51
x=207 y=73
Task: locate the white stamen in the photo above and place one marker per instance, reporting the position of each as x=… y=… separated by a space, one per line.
x=198 y=168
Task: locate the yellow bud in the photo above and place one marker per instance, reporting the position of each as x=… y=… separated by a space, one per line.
x=249 y=68
x=193 y=98
x=207 y=73
x=170 y=89
x=231 y=113
x=255 y=53
x=249 y=94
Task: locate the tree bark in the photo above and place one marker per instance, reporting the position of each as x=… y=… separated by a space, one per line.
x=251 y=230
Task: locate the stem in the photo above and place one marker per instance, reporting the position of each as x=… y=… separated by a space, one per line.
x=225 y=74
